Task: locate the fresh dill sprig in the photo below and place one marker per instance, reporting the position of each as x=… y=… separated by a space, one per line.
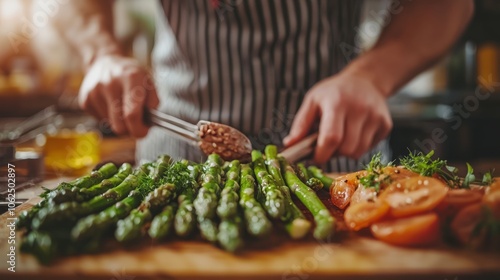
x=424 y=165
x=177 y=174
x=375 y=177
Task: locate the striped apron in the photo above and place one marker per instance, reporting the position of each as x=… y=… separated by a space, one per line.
x=247 y=63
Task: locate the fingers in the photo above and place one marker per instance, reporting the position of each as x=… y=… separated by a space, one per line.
x=118 y=88
x=135 y=100
x=331 y=133
x=302 y=122
x=114 y=100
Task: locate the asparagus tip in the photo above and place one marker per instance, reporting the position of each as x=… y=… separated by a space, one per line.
x=299 y=228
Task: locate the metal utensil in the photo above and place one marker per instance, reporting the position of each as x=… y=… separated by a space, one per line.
x=301 y=149
x=210 y=137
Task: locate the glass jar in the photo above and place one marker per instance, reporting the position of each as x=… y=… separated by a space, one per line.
x=72 y=146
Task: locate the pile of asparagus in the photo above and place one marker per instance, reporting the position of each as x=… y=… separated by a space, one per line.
x=223 y=201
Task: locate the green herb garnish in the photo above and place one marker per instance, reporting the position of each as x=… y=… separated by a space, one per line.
x=424 y=165
x=375 y=177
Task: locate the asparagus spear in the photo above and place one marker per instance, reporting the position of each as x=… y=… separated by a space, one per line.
x=256 y=221
x=185 y=216
x=25 y=218
x=96 y=224
x=162 y=224
x=325 y=222
x=96 y=176
x=318 y=173
x=205 y=203
x=82 y=194
x=162 y=164
x=132 y=226
x=301 y=171
x=306 y=177
x=49 y=244
x=228 y=203
x=271 y=195
x=296 y=223
x=70 y=211
x=172 y=180
x=229 y=234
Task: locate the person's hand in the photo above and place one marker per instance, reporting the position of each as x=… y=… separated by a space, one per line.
x=117 y=89
x=353 y=117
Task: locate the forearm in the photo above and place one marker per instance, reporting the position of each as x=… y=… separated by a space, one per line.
x=88 y=27
x=417 y=37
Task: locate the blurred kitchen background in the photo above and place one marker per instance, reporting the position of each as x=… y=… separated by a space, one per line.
x=453 y=108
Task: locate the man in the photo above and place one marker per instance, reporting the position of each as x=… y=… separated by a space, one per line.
x=257 y=65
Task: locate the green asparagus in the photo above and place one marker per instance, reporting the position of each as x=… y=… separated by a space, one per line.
x=296 y=223
x=82 y=194
x=70 y=211
x=256 y=221
x=302 y=172
x=96 y=176
x=325 y=223
x=132 y=226
x=185 y=216
x=97 y=224
x=306 y=177
x=230 y=235
x=228 y=203
x=271 y=195
x=162 y=224
x=173 y=179
x=318 y=173
x=205 y=203
x=25 y=218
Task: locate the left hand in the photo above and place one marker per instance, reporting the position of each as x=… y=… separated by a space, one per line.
x=353 y=117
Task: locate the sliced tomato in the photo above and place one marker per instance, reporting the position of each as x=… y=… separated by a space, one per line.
x=464 y=223
x=363 y=214
x=492 y=199
x=414 y=195
x=363 y=194
x=343 y=187
x=457 y=199
x=410 y=231
x=398 y=173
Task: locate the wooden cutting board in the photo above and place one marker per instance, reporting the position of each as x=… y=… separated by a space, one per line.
x=347 y=255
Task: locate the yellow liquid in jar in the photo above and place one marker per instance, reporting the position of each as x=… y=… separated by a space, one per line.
x=72 y=153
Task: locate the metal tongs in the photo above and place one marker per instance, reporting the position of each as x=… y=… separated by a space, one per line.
x=15 y=133
x=30 y=127
x=237 y=144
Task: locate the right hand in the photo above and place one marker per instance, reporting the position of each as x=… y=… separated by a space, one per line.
x=118 y=89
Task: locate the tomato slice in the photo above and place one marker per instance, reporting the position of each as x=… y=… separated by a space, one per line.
x=492 y=199
x=410 y=231
x=398 y=173
x=495 y=186
x=363 y=214
x=457 y=199
x=363 y=194
x=343 y=187
x=464 y=223
x=413 y=195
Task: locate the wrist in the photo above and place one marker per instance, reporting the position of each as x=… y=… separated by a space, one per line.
x=388 y=69
x=94 y=52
